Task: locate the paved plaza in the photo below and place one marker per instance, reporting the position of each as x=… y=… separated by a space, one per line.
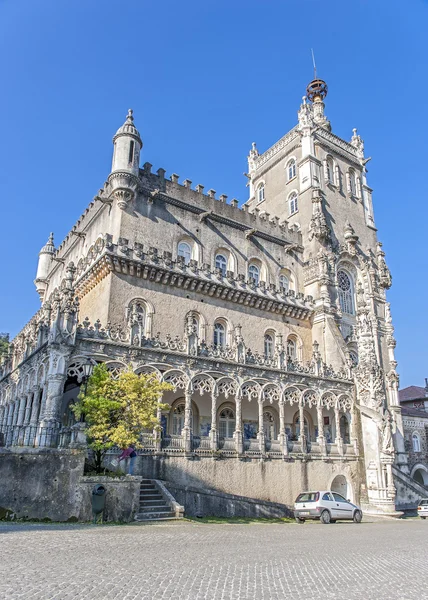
x=181 y=560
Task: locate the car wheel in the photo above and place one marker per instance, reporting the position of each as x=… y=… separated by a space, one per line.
x=423 y=517
x=325 y=517
x=332 y=520
x=299 y=520
x=358 y=516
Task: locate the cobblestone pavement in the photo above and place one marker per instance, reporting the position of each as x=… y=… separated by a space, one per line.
x=181 y=560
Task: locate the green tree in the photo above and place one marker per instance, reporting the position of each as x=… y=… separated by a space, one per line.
x=4 y=344
x=117 y=410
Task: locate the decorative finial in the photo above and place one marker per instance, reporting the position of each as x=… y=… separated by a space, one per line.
x=130 y=115
x=51 y=238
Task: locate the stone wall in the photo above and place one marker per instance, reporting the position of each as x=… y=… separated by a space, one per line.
x=40 y=483
x=268 y=480
x=48 y=484
x=202 y=503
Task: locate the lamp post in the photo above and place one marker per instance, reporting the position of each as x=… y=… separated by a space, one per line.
x=87 y=372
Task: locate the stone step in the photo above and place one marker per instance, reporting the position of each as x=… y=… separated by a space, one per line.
x=144 y=502
x=154 y=516
x=147 y=486
x=157 y=508
x=144 y=481
x=151 y=496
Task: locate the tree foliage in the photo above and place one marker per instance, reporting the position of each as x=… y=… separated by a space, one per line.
x=118 y=410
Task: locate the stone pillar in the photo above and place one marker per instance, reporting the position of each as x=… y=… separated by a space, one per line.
x=187 y=429
x=353 y=432
x=321 y=438
x=238 y=424
x=28 y=407
x=283 y=437
x=55 y=387
x=10 y=415
x=2 y=415
x=35 y=408
x=302 y=436
x=339 y=441
x=157 y=431
x=213 y=430
x=261 y=431
x=21 y=410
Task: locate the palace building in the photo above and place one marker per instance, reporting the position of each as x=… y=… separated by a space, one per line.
x=270 y=320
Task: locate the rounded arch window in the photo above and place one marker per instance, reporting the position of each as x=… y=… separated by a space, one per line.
x=292 y=203
x=284 y=283
x=261 y=192
x=330 y=170
x=292 y=348
x=346 y=292
x=269 y=344
x=178 y=419
x=352 y=182
x=226 y=423
x=185 y=251
x=219 y=334
x=416 y=441
x=291 y=169
x=221 y=263
x=254 y=273
x=297 y=427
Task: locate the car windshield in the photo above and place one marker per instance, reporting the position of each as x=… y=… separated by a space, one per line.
x=308 y=497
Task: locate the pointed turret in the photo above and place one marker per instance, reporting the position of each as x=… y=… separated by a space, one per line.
x=127 y=145
x=45 y=260
x=126 y=162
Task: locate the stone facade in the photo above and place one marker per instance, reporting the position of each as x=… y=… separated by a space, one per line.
x=263 y=316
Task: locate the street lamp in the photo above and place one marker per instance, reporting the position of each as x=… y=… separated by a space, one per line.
x=87 y=372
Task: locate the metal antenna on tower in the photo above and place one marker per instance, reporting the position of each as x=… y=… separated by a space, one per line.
x=315 y=67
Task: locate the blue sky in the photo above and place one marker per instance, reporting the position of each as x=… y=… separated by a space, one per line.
x=205 y=79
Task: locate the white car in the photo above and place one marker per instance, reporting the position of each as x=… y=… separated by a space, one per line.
x=326 y=506
x=423 y=508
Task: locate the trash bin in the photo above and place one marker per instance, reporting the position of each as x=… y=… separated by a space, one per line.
x=98 y=500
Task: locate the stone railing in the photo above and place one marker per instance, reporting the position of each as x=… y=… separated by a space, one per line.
x=34 y=436
x=238 y=353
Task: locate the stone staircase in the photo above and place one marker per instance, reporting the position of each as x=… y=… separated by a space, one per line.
x=156 y=503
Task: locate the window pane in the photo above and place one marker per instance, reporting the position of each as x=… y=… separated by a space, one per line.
x=346 y=300
x=184 y=250
x=221 y=263
x=254 y=273
x=219 y=334
x=284 y=283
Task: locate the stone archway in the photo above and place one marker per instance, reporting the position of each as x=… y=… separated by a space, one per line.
x=420 y=475
x=341 y=486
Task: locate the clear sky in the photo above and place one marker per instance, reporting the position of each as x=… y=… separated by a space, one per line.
x=205 y=79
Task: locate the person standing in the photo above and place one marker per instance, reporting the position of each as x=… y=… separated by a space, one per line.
x=132 y=455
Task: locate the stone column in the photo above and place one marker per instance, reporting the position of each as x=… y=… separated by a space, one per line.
x=321 y=438
x=187 y=429
x=21 y=410
x=238 y=424
x=3 y=415
x=302 y=436
x=10 y=415
x=213 y=430
x=55 y=386
x=283 y=437
x=261 y=431
x=35 y=408
x=157 y=431
x=339 y=441
x=353 y=432
x=27 y=414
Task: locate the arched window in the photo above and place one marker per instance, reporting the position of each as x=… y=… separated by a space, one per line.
x=291 y=169
x=297 y=427
x=352 y=182
x=226 y=423
x=254 y=273
x=346 y=292
x=269 y=345
x=261 y=192
x=292 y=203
x=284 y=284
x=416 y=441
x=344 y=429
x=219 y=335
x=269 y=426
x=330 y=170
x=185 y=251
x=292 y=348
x=178 y=419
x=221 y=263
